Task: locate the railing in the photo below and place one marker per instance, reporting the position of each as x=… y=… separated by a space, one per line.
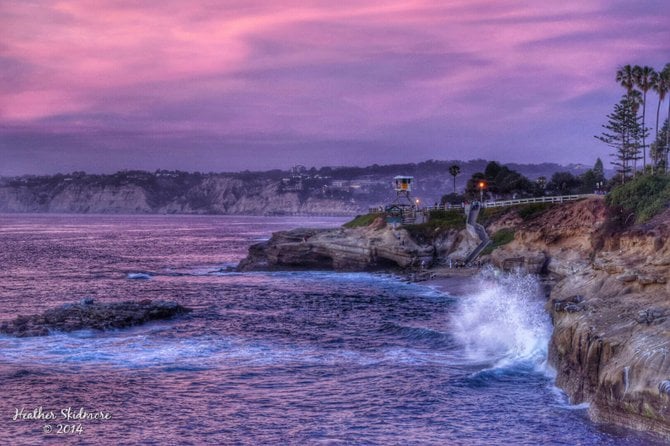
x=551 y=199
x=496 y=204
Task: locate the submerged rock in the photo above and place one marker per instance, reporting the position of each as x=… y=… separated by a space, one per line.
x=89 y=314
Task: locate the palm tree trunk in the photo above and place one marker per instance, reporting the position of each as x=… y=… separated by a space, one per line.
x=644 y=145
x=658 y=111
x=454 y=184
x=667 y=138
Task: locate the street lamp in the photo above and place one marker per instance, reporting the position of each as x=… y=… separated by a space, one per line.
x=481 y=185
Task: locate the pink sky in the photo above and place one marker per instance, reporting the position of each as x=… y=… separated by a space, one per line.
x=228 y=85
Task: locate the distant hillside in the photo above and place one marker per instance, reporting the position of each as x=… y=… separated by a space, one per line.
x=328 y=190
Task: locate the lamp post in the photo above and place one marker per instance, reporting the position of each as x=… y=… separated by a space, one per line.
x=482 y=185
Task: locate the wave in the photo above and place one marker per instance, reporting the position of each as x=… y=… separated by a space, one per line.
x=504 y=324
x=139 y=276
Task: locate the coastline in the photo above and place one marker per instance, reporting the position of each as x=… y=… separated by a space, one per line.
x=606 y=293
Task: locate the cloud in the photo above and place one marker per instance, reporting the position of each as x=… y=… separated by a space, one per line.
x=477 y=74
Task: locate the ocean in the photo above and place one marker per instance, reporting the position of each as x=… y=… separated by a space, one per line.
x=268 y=358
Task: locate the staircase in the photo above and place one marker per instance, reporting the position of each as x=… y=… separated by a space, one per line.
x=472 y=211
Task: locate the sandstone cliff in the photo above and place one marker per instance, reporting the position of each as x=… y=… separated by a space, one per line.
x=610 y=307
x=610 y=304
x=374 y=247
x=145 y=193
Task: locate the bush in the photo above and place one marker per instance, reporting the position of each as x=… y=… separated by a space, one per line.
x=500 y=238
x=455 y=218
x=438 y=223
x=644 y=196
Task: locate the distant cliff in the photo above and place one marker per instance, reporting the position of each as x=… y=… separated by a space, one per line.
x=328 y=190
x=173 y=192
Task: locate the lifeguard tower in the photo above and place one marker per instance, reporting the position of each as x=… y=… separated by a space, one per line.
x=403 y=186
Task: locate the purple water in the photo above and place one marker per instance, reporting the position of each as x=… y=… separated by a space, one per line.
x=268 y=358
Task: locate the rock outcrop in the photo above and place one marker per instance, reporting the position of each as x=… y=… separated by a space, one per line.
x=374 y=247
x=90 y=314
x=610 y=307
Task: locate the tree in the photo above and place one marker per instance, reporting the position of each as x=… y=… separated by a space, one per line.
x=563 y=183
x=645 y=78
x=625 y=76
x=661 y=87
x=599 y=170
x=472 y=186
x=664 y=82
x=454 y=170
x=635 y=100
x=623 y=133
x=660 y=148
x=492 y=170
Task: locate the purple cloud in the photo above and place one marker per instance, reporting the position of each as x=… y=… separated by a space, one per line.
x=220 y=85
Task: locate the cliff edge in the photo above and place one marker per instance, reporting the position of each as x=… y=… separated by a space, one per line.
x=610 y=302
x=610 y=307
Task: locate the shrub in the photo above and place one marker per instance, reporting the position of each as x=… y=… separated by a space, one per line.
x=438 y=223
x=644 y=196
x=500 y=238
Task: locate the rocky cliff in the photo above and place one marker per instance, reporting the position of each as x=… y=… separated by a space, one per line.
x=610 y=308
x=147 y=193
x=377 y=246
x=610 y=303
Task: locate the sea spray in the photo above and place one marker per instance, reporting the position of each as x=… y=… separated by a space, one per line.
x=503 y=323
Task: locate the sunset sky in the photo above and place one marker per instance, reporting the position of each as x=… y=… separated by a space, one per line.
x=227 y=85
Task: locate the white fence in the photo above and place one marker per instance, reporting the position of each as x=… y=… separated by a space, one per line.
x=555 y=199
x=497 y=204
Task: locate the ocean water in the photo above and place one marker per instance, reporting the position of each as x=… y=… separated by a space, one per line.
x=268 y=358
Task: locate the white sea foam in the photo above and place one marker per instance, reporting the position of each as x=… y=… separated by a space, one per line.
x=139 y=276
x=504 y=323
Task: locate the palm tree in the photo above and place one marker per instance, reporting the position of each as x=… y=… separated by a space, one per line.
x=626 y=77
x=454 y=170
x=645 y=78
x=662 y=87
x=635 y=99
x=665 y=74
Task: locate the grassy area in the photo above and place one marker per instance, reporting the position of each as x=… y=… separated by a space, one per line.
x=644 y=196
x=500 y=238
x=362 y=220
x=439 y=222
x=452 y=219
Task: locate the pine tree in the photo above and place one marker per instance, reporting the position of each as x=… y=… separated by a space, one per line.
x=624 y=132
x=599 y=170
x=660 y=149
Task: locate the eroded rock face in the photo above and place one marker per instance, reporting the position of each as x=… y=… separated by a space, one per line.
x=610 y=306
x=375 y=247
x=614 y=351
x=559 y=242
x=89 y=314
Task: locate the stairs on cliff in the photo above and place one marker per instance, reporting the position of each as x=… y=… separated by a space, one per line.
x=472 y=211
